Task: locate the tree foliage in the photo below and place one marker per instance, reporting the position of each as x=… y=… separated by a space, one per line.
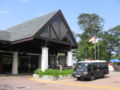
x=115 y=43
x=92 y=25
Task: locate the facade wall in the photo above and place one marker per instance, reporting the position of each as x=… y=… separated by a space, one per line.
x=29 y=63
x=5 y=64
x=26 y=63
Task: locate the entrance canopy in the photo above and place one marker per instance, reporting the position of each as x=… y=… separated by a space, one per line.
x=50 y=30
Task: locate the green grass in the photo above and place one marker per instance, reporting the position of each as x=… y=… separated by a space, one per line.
x=52 y=72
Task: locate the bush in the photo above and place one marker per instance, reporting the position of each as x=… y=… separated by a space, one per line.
x=38 y=72
x=52 y=72
x=67 y=72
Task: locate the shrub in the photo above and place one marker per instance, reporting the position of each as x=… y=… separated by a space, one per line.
x=38 y=72
x=67 y=72
x=52 y=72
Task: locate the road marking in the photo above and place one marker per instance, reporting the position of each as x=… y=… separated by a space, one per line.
x=1 y=77
x=75 y=84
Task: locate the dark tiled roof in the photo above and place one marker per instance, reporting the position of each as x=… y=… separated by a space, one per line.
x=27 y=29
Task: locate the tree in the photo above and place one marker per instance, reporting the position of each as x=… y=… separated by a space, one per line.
x=90 y=24
x=115 y=42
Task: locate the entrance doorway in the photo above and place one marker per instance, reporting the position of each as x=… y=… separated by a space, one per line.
x=28 y=63
x=5 y=64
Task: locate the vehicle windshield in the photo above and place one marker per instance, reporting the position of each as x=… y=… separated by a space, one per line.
x=80 y=65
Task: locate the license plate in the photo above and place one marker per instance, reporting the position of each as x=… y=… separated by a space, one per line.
x=77 y=75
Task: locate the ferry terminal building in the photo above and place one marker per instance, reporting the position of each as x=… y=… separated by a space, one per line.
x=36 y=44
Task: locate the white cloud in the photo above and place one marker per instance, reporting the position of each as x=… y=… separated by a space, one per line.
x=4 y=12
x=24 y=1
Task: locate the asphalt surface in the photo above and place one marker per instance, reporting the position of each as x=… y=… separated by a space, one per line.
x=110 y=82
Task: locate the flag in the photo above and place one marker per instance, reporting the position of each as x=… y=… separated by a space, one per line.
x=93 y=39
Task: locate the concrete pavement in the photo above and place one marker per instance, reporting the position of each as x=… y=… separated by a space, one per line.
x=111 y=82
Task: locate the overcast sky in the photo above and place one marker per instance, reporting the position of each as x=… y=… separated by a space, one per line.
x=13 y=12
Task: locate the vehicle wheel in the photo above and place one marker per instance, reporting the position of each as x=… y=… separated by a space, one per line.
x=78 y=78
x=92 y=77
x=102 y=76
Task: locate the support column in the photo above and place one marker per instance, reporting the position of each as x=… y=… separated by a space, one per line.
x=15 y=63
x=39 y=61
x=44 y=59
x=69 y=58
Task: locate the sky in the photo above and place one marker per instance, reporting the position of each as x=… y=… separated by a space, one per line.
x=13 y=12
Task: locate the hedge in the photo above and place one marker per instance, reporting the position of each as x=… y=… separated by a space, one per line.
x=52 y=72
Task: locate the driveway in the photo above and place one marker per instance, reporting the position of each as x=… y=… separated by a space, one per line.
x=110 y=82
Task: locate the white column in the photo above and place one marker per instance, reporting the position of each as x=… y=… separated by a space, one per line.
x=15 y=63
x=44 y=59
x=39 y=61
x=69 y=58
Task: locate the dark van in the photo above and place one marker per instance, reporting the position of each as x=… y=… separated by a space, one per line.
x=90 y=69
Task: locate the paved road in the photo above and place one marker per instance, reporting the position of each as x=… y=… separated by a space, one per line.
x=111 y=82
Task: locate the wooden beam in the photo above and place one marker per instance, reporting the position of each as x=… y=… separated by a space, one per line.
x=22 y=40
x=54 y=31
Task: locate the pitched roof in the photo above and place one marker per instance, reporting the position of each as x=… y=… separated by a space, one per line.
x=39 y=26
x=29 y=28
x=5 y=36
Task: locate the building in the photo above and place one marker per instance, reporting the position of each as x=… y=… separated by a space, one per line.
x=36 y=43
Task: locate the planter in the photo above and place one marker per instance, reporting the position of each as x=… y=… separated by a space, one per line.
x=48 y=77
x=61 y=77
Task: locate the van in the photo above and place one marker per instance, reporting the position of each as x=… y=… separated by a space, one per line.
x=90 y=69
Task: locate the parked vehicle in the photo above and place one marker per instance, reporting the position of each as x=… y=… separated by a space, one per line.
x=90 y=69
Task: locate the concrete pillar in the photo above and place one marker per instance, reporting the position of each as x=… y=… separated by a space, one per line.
x=39 y=61
x=15 y=63
x=44 y=59
x=69 y=58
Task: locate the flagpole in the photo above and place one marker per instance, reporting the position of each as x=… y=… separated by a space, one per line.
x=95 y=50
x=95 y=47
x=94 y=41
x=98 y=51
